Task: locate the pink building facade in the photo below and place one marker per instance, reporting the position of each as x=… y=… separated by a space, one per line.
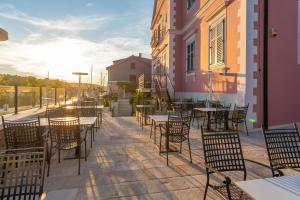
x=215 y=49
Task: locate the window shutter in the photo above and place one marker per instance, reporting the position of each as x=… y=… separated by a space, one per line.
x=213 y=46
x=220 y=42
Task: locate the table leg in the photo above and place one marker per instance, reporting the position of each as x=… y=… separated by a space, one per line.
x=154 y=132
x=208 y=121
x=152 y=123
x=226 y=121
x=145 y=119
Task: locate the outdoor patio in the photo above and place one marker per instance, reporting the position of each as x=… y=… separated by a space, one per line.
x=124 y=163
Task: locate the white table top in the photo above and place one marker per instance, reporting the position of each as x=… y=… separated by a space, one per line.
x=279 y=188
x=182 y=102
x=206 y=109
x=82 y=107
x=159 y=118
x=145 y=106
x=84 y=121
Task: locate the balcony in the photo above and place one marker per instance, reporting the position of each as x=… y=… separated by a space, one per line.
x=158 y=37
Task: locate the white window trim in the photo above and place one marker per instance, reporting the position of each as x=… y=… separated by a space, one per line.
x=212 y=23
x=188 y=41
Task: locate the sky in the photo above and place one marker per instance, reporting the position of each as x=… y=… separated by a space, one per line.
x=63 y=36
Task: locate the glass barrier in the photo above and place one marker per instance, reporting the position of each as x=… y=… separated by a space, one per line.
x=7 y=100
x=48 y=96
x=60 y=95
x=28 y=98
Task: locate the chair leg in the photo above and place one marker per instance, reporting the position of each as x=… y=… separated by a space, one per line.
x=206 y=187
x=94 y=133
x=246 y=127
x=190 y=151
x=151 y=128
x=79 y=156
x=58 y=154
x=180 y=150
x=167 y=156
x=49 y=160
x=91 y=130
x=85 y=149
x=160 y=143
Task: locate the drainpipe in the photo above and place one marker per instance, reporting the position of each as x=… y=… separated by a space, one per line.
x=265 y=64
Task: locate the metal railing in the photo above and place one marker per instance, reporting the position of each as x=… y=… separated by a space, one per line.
x=14 y=99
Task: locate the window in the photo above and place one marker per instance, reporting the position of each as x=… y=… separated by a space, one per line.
x=190 y=56
x=217 y=43
x=190 y=4
x=132 y=78
x=132 y=66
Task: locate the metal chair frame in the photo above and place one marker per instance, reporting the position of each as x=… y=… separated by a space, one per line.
x=177 y=130
x=223 y=153
x=65 y=134
x=22 y=173
x=22 y=134
x=283 y=146
x=239 y=116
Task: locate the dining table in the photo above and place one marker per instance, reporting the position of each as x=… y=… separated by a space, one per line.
x=277 y=188
x=161 y=120
x=145 y=110
x=85 y=123
x=209 y=112
x=84 y=107
x=157 y=120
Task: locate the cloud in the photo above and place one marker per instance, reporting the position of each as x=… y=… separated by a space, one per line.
x=63 y=55
x=54 y=47
x=69 y=23
x=89 y=4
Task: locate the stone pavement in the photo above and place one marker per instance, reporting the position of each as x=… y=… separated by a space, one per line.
x=124 y=163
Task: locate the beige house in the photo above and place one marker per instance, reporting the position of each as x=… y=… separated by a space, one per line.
x=3 y=35
x=128 y=70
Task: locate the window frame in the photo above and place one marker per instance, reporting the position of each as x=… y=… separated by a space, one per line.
x=214 y=25
x=190 y=41
x=190 y=4
x=132 y=66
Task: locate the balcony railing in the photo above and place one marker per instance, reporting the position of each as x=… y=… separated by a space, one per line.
x=158 y=37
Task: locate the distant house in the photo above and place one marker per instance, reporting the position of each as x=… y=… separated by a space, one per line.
x=128 y=70
x=3 y=35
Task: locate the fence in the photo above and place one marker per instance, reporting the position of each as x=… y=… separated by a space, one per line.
x=14 y=99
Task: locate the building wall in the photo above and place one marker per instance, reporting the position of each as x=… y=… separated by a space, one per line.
x=196 y=23
x=121 y=72
x=242 y=83
x=283 y=68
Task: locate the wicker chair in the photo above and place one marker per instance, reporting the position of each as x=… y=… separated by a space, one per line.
x=223 y=153
x=22 y=174
x=239 y=116
x=283 y=146
x=22 y=134
x=177 y=130
x=65 y=134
